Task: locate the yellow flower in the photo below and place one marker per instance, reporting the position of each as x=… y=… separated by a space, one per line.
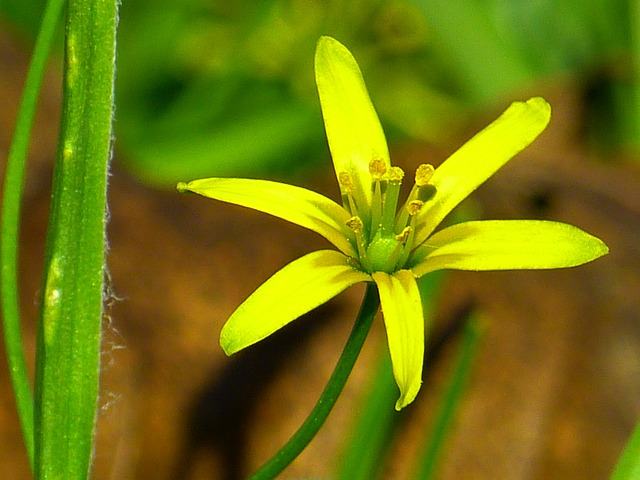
x=379 y=242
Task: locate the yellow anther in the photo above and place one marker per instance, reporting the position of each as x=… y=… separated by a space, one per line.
x=424 y=174
x=377 y=168
x=414 y=206
x=395 y=174
x=346 y=182
x=404 y=234
x=355 y=224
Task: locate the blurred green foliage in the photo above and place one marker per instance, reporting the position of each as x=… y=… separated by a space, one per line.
x=24 y=15
x=212 y=88
x=216 y=88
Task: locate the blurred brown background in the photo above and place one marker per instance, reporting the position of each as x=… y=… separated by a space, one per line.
x=556 y=391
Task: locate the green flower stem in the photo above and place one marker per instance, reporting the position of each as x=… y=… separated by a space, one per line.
x=432 y=451
x=9 y=237
x=330 y=395
x=68 y=349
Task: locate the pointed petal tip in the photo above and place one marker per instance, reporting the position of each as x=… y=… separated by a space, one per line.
x=598 y=250
x=227 y=345
x=407 y=398
x=404 y=323
x=326 y=42
x=291 y=292
x=353 y=129
x=508 y=245
x=480 y=158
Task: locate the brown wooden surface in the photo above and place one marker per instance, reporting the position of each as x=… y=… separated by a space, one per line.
x=555 y=393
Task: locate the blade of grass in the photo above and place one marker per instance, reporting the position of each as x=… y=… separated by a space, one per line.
x=9 y=233
x=484 y=64
x=376 y=418
x=68 y=350
x=628 y=467
x=630 y=104
x=432 y=452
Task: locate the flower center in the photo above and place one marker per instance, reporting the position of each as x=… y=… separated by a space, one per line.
x=382 y=253
x=385 y=241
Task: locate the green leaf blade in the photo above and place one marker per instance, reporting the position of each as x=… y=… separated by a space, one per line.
x=68 y=352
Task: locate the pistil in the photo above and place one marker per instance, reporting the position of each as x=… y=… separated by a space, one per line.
x=412 y=209
x=394 y=178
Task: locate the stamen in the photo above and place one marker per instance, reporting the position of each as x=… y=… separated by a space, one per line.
x=421 y=190
x=346 y=182
x=412 y=209
x=414 y=206
x=355 y=224
x=347 y=188
x=395 y=174
x=404 y=234
x=424 y=174
x=377 y=168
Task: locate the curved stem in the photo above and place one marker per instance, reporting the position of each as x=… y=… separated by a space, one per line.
x=9 y=236
x=327 y=400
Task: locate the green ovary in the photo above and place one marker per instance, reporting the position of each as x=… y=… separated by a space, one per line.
x=382 y=253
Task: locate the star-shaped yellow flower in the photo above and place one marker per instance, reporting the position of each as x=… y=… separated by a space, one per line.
x=379 y=242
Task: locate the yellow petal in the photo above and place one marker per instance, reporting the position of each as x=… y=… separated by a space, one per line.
x=353 y=129
x=294 y=204
x=507 y=245
x=404 y=322
x=291 y=292
x=480 y=158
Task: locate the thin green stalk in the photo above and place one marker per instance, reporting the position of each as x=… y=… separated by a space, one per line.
x=9 y=233
x=68 y=350
x=432 y=451
x=327 y=400
x=628 y=467
x=633 y=111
